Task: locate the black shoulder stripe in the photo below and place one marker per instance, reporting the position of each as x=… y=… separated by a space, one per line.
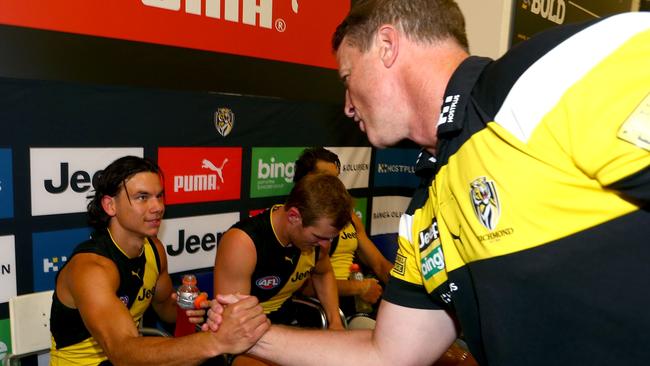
x=335 y=243
x=155 y=253
x=635 y=186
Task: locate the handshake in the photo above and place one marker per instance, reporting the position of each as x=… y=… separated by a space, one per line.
x=236 y=322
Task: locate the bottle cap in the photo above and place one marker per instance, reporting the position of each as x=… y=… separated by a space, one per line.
x=189 y=279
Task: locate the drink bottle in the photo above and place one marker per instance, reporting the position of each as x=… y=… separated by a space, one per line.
x=360 y=305
x=187 y=293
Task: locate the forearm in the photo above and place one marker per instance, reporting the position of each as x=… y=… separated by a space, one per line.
x=351 y=288
x=164 y=351
x=384 y=270
x=325 y=286
x=287 y=346
x=166 y=310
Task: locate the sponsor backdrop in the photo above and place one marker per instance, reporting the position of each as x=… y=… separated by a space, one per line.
x=7 y=268
x=280 y=30
x=223 y=156
x=533 y=16
x=6 y=185
x=225 y=125
x=5 y=339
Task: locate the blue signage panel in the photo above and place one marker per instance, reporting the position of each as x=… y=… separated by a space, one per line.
x=396 y=168
x=6 y=185
x=51 y=250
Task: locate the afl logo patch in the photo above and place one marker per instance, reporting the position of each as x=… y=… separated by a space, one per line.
x=268 y=282
x=483 y=194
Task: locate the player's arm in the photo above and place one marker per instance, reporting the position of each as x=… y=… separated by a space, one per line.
x=403 y=336
x=325 y=287
x=369 y=254
x=89 y=282
x=234 y=263
x=164 y=300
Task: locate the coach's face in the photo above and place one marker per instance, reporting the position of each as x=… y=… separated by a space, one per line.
x=372 y=95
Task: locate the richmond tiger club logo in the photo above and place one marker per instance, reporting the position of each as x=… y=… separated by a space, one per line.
x=484 y=197
x=224 y=120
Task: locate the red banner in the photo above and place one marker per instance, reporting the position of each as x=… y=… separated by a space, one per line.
x=297 y=31
x=201 y=174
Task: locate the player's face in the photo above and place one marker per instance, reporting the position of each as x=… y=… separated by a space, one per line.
x=139 y=206
x=320 y=233
x=371 y=95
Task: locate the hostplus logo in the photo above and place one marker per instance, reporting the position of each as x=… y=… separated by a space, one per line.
x=552 y=10
x=395 y=168
x=448 y=109
x=250 y=10
x=201 y=182
x=53 y=264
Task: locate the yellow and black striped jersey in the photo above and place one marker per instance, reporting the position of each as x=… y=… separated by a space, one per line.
x=532 y=223
x=280 y=270
x=342 y=251
x=72 y=343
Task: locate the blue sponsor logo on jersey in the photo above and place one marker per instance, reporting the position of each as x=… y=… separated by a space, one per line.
x=396 y=168
x=268 y=282
x=51 y=250
x=6 y=185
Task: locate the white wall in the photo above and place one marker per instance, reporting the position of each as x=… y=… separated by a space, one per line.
x=488 y=25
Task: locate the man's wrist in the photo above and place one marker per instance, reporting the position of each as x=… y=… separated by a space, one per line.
x=364 y=286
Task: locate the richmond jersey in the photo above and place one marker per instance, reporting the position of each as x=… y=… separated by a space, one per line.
x=72 y=344
x=342 y=251
x=280 y=270
x=532 y=224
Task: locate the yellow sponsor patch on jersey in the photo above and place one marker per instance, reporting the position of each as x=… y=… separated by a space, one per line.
x=636 y=129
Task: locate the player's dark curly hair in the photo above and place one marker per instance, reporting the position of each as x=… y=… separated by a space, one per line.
x=111 y=180
x=307 y=160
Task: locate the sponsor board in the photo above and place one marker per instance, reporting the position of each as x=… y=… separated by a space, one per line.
x=355 y=165
x=200 y=174
x=7 y=268
x=5 y=340
x=62 y=179
x=297 y=31
x=191 y=242
x=396 y=168
x=6 y=185
x=272 y=170
x=386 y=212
x=533 y=16
x=360 y=208
x=50 y=251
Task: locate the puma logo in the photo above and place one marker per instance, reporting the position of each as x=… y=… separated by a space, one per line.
x=134 y=273
x=288 y=259
x=207 y=164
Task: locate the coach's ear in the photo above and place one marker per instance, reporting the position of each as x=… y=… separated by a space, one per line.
x=108 y=204
x=293 y=215
x=388 y=42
